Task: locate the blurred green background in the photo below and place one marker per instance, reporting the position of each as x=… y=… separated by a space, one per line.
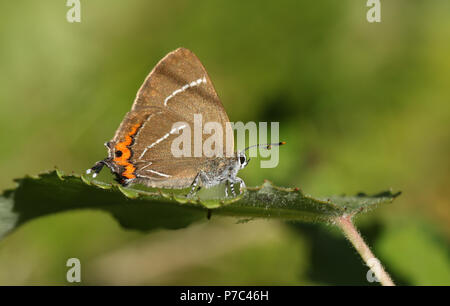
x=363 y=107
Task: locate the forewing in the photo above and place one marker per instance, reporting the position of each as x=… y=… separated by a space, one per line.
x=180 y=84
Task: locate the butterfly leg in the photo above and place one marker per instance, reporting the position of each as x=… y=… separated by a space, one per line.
x=204 y=179
x=194 y=186
x=231 y=183
x=227 y=184
x=241 y=184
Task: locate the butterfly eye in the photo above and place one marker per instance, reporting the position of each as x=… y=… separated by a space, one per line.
x=242 y=160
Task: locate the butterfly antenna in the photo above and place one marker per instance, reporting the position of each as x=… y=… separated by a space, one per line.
x=268 y=146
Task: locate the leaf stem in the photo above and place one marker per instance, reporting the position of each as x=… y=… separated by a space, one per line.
x=352 y=234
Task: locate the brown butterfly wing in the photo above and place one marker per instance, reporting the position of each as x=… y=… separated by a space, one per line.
x=180 y=83
x=176 y=89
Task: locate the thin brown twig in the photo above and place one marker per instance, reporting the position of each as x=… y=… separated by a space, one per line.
x=352 y=234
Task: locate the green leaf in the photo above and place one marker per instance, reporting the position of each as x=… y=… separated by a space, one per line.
x=146 y=209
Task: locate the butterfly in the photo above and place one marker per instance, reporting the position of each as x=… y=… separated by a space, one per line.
x=176 y=90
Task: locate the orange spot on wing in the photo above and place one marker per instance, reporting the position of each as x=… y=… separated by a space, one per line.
x=123 y=146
